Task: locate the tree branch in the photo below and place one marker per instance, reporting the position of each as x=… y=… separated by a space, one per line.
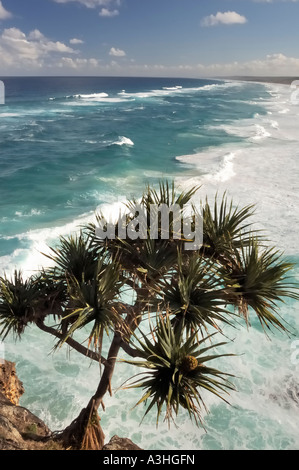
x=129 y=350
x=71 y=342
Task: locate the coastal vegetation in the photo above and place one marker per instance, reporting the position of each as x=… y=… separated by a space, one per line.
x=159 y=307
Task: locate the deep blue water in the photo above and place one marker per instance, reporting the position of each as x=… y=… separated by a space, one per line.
x=61 y=154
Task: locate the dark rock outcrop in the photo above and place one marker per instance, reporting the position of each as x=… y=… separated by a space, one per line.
x=120 y=443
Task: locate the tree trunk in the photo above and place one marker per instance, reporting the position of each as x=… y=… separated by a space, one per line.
x=85 y=431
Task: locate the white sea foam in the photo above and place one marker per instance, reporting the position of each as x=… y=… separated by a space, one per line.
x=92 y=96
x=178 y=87
x=252 y=129
x=2 y=115
x=124 y=141
x=263 y=171
x=166 y=91
x=31 y=213
x=216 y=165
x=261 y=133
x=91 y=141
x=89 y=100
x=38 y=241
x=98 y=98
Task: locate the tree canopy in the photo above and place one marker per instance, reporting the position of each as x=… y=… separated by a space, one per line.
x=150 y=297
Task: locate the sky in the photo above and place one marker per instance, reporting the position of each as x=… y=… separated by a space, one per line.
x=170 y=38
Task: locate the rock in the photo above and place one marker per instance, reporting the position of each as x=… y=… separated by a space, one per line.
x=22 y=430
x=120 y=443
x=10 y=385
x=19 y=428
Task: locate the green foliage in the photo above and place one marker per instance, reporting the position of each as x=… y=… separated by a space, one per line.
x=225 y=228
x=193 y=292
x=259 y=279
x=18 y=299
x=76 y=256
x=152 y=257
x=92 y=302
x=169 y=381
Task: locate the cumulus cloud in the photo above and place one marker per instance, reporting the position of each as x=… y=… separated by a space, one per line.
x=76 y=41
x=108 y=13
x=277 y=64
x=117 y=52
x=107 y=5
x=226 y=18
x=35 y=35
x=110 y=8
x=4 y=14
x=77 y=64
x=28 y=51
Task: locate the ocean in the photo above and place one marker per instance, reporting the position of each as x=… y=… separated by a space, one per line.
x=72 y=145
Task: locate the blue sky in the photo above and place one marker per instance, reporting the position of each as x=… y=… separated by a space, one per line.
x=191 y=38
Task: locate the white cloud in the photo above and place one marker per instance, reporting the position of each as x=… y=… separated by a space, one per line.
x=76 y=41
x=272 y=65
x=117 y=52
x=28 y=52
x=4 y=14
x=93 y=3
x=35 y=35
x=108 y=8
x=226 y=18
x=49 y=63
x=68 y=62
x=108 y=13
x=13 y=34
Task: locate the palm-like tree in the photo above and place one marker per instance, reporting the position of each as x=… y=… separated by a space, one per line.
x=183 y=294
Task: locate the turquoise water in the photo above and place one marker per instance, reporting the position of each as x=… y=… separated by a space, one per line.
x=70 y=145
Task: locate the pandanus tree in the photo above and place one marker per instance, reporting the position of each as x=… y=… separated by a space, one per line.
x=179 y=301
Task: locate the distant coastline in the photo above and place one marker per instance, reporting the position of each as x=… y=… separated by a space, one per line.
x=278 y=80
